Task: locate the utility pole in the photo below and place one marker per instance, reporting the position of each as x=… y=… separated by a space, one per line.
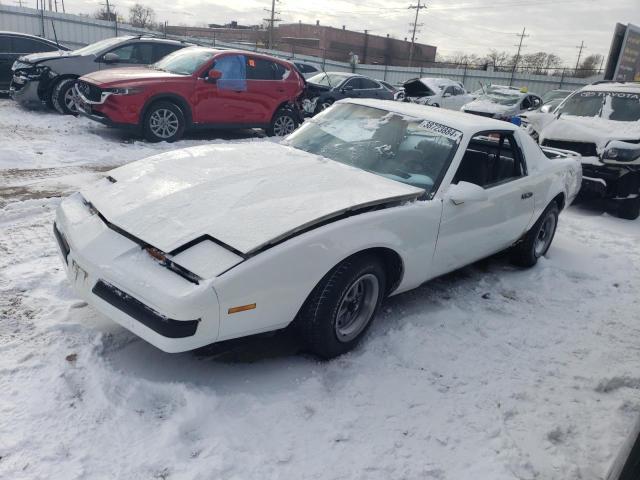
x=271 y=21
x=517 y=59
x=415 y=25
x=580 y=47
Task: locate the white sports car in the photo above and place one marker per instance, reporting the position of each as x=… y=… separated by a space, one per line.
x=369 y=199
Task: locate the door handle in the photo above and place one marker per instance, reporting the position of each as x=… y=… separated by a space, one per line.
x=526 y=195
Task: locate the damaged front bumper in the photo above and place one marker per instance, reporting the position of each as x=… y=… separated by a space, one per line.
x=600 y=180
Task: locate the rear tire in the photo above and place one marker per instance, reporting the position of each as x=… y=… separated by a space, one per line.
x=629 y=209
x=537 y=240
x=341 y=308
x=283 y=123
x=62 y=97
x=163 y=122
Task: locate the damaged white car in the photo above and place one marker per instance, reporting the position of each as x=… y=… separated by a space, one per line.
x=368 y=199
x=602 y=123
x=437 y=92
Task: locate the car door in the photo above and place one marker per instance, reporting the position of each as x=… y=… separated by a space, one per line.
x=128 y=55
x=7 y=57
x=448 y=99
x=266 y=88
x=462 y=97
x=351 y=88
x=224 y=102
x=476 y=229
x=371 y=89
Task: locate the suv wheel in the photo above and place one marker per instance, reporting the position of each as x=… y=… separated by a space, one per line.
x=284 y=122
x=629 y=209
x=62 y=97
x=163 y=122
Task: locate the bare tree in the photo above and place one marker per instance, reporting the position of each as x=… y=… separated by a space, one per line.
x=141 y=16
x=104 y=14
x=496 y=58
x=541 y=63
x=589 y=65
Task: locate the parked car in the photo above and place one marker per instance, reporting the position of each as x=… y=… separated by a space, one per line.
x=489 y=88
x=437 y=92
x=306 y=69
x=370 y=199
x=325 y=88
x=503 y=103
x=552 y=99
x=49 y=77
x=193 y=88
x=14 y=45
x=602 y=123
x=398 y=91
x=626 y=465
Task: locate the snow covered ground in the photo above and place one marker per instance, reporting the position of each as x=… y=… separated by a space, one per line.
x=489 y=373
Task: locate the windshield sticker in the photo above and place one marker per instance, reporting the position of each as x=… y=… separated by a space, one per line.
x=632 y=96
x=434 y=127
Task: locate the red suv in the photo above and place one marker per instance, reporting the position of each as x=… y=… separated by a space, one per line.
x=195 y=88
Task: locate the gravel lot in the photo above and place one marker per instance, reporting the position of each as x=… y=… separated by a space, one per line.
x=491 y=372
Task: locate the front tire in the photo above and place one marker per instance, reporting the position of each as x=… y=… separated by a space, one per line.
x=323 y=105
x=283 y=123
x=163 y=122
x=629 y=209
x=341 y=308
x=537 y=240
x=62 y=97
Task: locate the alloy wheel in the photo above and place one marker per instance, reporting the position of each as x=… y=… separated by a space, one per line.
x=164 y=123
x=283 y=125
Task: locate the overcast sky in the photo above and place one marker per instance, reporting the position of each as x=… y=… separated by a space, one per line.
x=469 y=26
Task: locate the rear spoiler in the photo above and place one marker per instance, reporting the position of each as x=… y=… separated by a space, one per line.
x=554 y=153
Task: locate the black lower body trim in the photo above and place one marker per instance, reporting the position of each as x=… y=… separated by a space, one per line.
x=62 y=243
x=137 y=310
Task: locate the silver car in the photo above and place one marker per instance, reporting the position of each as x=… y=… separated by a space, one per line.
x=48 y=78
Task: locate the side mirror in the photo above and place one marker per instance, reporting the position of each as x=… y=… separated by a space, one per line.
x=213 y=76
x=465 y=192
x=446 y=95
x=545 y=108
x=110 y=58
x=347 y=88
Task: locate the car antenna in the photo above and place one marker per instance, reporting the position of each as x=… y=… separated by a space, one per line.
x=53 y=27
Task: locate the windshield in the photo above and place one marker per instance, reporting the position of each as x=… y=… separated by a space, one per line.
x=98 y=47
x=327 y=79
x=185 y=61
x=405 y=149
x=502 y=97
x=621 y=106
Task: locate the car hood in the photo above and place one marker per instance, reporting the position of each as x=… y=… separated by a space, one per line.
x=489 y=107
x=589 y=129
x=245 y=196
x=128 y=74
x=44 y=56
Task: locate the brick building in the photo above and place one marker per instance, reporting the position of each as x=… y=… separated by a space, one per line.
x=322 y=41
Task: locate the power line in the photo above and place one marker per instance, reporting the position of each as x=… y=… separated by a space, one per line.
x=417 y=7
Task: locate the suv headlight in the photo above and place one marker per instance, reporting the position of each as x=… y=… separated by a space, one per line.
x=123 y=91
x=621 y=152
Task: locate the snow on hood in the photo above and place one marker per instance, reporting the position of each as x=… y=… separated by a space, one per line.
x=244 y=195
x=590 y=129
x=44 y=56
x=483 y=105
